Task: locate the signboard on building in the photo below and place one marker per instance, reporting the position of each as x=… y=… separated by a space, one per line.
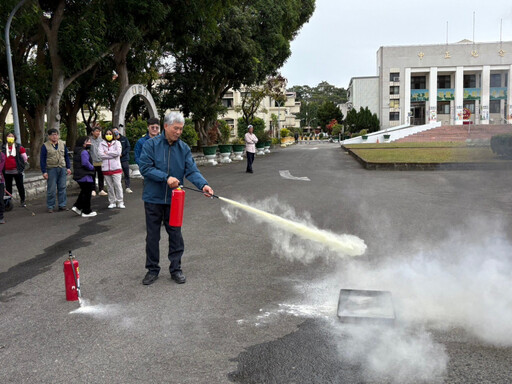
x=419 y=95
x=471 y=93
x=498 y=93
x=446 y=94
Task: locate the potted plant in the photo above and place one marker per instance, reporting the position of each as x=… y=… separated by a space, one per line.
x=224 y=146
x=210 y=150
x=260 y=145
x=386 y=137
x=238 y=148
x=267 y=141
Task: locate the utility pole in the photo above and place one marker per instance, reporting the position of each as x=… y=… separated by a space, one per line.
x=14 y=103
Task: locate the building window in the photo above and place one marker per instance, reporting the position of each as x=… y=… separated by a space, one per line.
x=469 y=81
x=443 y=108
x=394 y=103
x=228 y=103
x=418 y=82
x=495 y=106
x=394 y=90
x=394 y=116
x=496 y=80
x=444 y=81
x=394 y=76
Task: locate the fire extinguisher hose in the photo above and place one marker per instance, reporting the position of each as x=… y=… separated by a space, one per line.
x=71 y=258
x=198 y=190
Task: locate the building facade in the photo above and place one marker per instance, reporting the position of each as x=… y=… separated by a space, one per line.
x=452 y=83
x=363 y=92
x=285 y=112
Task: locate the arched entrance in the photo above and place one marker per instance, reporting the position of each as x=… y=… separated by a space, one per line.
x=130 y=92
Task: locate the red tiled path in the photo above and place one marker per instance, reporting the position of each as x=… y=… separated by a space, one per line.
x=457 y=133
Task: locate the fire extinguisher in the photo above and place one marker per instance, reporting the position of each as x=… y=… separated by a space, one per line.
x=72 y=279
x=177 y=205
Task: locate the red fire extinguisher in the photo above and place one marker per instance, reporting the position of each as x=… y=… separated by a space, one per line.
x=72 y=278
x=177 y=205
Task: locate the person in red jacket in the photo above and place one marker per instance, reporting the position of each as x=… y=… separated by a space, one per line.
x=16 y=158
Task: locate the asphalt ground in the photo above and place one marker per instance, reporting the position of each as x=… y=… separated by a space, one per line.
x=259 y=306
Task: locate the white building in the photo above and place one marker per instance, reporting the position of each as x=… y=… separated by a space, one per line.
x=285 y=112
x=363 y=92
x=452 y=83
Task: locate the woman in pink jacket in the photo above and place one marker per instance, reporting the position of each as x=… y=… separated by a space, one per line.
x=110 y=153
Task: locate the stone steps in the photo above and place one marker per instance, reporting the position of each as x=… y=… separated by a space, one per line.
x=458 y=133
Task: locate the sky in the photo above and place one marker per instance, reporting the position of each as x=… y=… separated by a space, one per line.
x=341 y=39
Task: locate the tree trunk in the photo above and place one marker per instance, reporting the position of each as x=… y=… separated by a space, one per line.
x=3 y=117
x=24 y=135
x=120 y=54
x=200 y=126
x=36 y=128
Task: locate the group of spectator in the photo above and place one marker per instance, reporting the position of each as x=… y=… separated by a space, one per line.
x=102 y=157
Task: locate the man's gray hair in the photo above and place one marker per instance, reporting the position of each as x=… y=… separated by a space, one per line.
x=174 y=117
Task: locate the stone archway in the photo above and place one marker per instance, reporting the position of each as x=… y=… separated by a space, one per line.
x=130 y=92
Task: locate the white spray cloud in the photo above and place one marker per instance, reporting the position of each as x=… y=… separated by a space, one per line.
x=391 y=354
x=296 y=237
x=460 y=283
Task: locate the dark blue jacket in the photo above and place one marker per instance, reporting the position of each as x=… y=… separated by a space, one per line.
x=159 y=160
x=125 y=144
x=138 y=146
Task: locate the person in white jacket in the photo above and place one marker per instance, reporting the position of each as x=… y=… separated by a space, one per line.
x=250 y=147
x=110 y=152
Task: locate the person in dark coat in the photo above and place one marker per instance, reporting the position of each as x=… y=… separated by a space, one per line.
x=83 y=174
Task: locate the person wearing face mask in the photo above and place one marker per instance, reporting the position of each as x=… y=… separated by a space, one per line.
x=83 y=174
x=96 y=160
x=125 y=157
x=110 y=152
x=16 y=158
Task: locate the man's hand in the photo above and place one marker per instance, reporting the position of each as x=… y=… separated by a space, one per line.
x=68 y=171
x=45 y=176
x=208 y=191
x=173 y=182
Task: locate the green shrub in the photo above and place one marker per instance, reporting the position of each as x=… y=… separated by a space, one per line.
x=134 y=130
x=502 y=145
x=285 y=132
x=225 y=131
x=336 y=130
x=189 y=134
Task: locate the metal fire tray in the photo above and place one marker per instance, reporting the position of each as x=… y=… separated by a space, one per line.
x=356 y=306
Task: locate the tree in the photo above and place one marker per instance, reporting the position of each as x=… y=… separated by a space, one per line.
x=253 y=41
x=252 y=96
x=327 y=112
x=312 y=98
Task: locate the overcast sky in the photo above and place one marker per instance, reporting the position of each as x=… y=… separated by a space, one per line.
x=342 y=37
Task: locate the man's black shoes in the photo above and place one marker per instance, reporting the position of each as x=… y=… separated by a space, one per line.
x=149 y=279
x=178 y=277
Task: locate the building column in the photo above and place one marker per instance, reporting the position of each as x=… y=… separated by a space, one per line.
x=459 y=96
x=485 y=94
x=509 y=96
x=432 y=95
x=407 y=97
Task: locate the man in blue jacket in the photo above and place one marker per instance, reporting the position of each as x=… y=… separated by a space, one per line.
x=153 y=130
x=164 y=162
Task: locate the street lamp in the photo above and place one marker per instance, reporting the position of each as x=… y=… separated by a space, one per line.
x=279 y=104
x=14 y=103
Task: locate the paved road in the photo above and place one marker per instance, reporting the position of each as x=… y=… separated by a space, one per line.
x=259 y=306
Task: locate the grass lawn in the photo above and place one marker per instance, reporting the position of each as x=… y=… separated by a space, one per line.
x=438 y=152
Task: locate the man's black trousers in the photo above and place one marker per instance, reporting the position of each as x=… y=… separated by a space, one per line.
x=250 y=159
x=155 y=214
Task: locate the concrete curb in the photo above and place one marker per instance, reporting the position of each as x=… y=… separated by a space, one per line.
x=428 y=166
